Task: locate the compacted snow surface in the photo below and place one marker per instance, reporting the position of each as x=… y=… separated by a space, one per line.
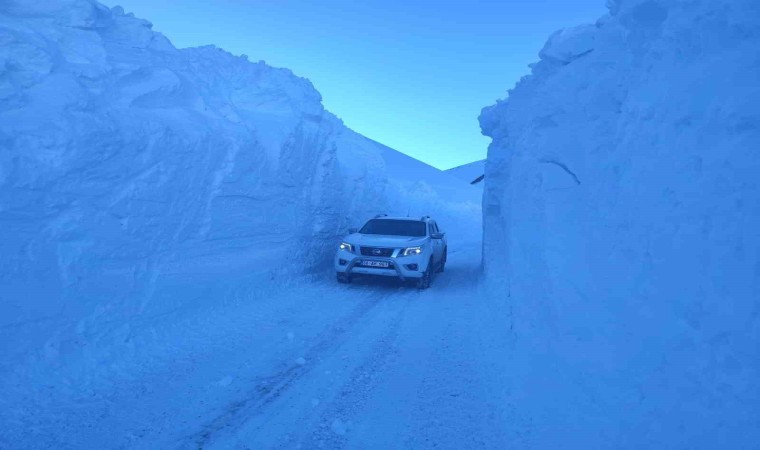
x=302 y=365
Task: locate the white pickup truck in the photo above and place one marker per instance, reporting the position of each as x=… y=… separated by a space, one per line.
x=399 y=247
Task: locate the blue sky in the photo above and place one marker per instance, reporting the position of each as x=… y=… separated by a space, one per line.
x=412 y=75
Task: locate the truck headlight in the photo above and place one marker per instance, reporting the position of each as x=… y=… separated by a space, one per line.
x=411 y=251
x=346 y=246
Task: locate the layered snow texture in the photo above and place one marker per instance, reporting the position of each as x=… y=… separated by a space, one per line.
x=621 y=215
x=124 y=160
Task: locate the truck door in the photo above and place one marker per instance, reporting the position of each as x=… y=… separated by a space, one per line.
x=437 y=243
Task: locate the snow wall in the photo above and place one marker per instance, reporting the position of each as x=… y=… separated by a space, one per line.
x=622 y=218
x=130 y=169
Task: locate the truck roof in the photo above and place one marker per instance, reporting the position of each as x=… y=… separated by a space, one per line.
x=416 y=219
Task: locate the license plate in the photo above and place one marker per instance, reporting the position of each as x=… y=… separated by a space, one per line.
x=375 y=264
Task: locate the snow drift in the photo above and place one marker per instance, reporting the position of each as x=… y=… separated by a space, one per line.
x=125 y=161
x=621 y=214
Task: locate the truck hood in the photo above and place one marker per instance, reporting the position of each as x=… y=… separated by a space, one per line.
x=379 y=240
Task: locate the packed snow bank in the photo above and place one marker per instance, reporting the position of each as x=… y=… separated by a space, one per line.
x=621 y=216
x=125 y=161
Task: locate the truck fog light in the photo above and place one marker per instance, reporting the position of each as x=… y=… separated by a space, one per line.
x=411 y=266
x=342 y=262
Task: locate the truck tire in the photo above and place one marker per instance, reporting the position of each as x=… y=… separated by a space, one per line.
x=343 y=278
x=442 y=265
x=424 y=281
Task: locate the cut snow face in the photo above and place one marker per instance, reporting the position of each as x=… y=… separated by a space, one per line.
x=127 y=162
x=621 y=215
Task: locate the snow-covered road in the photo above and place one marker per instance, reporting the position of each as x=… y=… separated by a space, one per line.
x=310 y=365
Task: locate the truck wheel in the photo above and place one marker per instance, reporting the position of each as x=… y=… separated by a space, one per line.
x=442 y=266
x=343 y=278
x=424 y=281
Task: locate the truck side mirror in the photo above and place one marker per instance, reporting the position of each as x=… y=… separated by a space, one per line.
x=437 y=235
x=352 y=230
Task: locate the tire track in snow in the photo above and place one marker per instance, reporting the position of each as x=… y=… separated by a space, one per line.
x=329 y=431
x=456 y=405
x=269 y=388
x=332 y=428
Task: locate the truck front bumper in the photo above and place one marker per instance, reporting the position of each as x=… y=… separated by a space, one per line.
x=402 y=268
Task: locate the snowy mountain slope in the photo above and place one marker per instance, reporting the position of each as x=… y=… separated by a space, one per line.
x=469 y=172
x=621 y=215
x=127 y=163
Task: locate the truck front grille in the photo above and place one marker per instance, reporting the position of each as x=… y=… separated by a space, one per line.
x=377 y=251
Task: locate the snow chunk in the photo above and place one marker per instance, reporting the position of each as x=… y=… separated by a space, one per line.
x=339 y=427
x=226 y=381
x=569 y=44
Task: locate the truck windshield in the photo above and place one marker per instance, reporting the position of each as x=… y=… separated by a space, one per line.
x=413 y=228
